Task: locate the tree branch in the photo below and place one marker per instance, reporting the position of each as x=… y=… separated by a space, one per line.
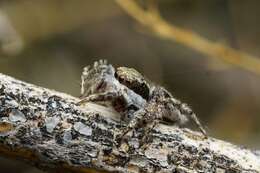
x=46 y=129
x=160 y=27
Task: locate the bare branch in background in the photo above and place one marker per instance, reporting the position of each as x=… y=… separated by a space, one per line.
x=168 y=31
x=10 y=41
x=152 y=7
x=46 y=129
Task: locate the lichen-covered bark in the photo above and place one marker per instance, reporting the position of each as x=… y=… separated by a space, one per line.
x=46 y=129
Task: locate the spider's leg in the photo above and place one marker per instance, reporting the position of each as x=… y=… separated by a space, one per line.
x=147 y=131
x=137 y=120
x=197 y=122
x=185 y=109
x=98 y=97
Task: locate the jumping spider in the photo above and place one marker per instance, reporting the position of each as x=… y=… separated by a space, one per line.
x=140 y=103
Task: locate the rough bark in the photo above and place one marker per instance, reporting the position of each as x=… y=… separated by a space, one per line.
x=46 y=129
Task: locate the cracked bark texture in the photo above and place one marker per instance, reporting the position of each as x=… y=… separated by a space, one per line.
x=46 y=129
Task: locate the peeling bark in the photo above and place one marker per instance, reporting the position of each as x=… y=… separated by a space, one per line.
x=46 y=129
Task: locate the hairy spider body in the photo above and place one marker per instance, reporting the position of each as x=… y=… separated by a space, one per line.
x=141 y=103
x=98 y=84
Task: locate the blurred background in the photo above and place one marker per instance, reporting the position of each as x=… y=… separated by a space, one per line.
x=48 y=42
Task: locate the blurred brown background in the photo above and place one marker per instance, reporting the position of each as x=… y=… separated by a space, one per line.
x=48 y=42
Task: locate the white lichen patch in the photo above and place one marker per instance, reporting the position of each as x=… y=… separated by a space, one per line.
x=67 y=137
x=16 y=115
x=51 y=123
x=82 y=129
x=12 y=103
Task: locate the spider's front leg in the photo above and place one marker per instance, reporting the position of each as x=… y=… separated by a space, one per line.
x=143 y=119
x=96 y=97
x=147 y=131
x=135 y=122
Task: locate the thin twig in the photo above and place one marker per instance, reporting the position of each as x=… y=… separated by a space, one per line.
x=168 y=31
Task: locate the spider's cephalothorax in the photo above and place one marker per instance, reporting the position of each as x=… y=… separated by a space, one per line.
x=141 y=103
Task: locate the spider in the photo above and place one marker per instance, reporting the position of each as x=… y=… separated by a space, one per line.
x=141 y=103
